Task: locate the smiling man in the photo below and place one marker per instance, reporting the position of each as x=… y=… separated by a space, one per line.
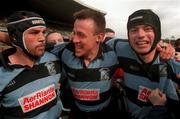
x=148 y=81
x=90 y=65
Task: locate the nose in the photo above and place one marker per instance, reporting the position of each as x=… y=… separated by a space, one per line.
x=141 y=32
x=75 y=38
x=41 y=37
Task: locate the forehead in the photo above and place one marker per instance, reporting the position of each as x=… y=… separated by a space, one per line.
x=37 y=28
x=54 y=35
x=84 y=24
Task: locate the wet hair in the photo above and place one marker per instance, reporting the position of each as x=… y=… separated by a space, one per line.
x=109 y=30
x=98 y=18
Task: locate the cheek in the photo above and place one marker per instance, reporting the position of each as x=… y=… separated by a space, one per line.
x=28 y=41
x=131 y=40
x=152 y=38
x=30 y=45
x=132 y=37
x=91 y=44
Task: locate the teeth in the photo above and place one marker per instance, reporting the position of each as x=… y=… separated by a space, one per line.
x=141 y=42
x=78 y=47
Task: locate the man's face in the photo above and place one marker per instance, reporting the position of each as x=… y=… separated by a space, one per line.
x=54 y=38
x=85 y=40
x=141 y=38
x=110 y=34
x=34 y=40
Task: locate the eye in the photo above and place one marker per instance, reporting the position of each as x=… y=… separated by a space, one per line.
x=148 y=28
x=44 y=32
x=134 y=29
x=79 y=34
x=34 y=32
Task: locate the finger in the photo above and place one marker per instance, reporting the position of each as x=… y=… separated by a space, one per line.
x=160 y=93
x=159 y=48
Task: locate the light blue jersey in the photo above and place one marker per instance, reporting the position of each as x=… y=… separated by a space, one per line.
x=91 y=86
x=31 y=93
x=140 y=79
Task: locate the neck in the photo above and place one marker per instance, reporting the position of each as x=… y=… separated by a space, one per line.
x=20 y=58
x=91 y=56
x=148 y=57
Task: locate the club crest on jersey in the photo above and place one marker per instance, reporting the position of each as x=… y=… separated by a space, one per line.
x=163 y=72
x=104 y=73
x=51 y=68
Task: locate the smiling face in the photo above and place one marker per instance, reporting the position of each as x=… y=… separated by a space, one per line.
x=85 y=38
x=34 y=40
x=141 y=38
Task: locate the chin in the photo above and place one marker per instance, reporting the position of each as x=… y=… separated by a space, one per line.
x=78 y=55
x=40 y=54
x=142 y=50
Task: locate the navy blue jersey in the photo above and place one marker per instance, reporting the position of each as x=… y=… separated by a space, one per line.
x=31 y=92
x=91 y=86
x=140 y=79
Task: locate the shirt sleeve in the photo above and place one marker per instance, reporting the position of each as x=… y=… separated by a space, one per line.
x=159 y=112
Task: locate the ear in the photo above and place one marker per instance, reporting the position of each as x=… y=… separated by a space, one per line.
x=100 y=37
x=12 y=38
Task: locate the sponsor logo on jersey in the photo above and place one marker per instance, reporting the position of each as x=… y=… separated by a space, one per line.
x=144 y=93
x=104 y=72
x=51 y=68
x=37 y=99
x=13 y=82
x=86 y=94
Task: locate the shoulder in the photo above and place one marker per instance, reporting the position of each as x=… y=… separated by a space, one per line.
x=6 y=75
x=67 y=52
x=4 y=55
x=48 y=57
x=117 y=43
x=175 y=65
x=59 y=48
x=114 y=41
